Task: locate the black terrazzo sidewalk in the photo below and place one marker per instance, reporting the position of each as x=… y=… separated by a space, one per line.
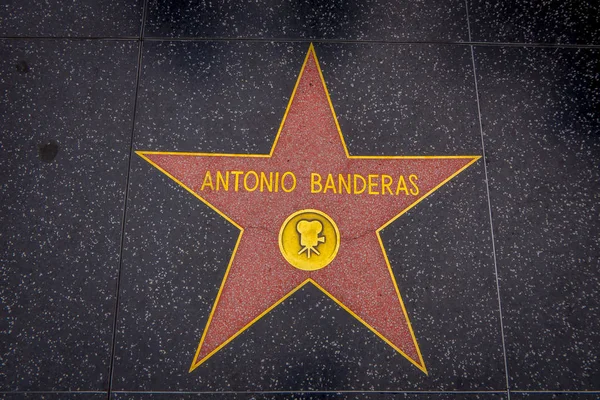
x=109 y=270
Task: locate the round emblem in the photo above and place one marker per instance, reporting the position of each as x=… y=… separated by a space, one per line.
x=309 y=239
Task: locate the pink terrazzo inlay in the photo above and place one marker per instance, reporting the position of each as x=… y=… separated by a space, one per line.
x=309 y=143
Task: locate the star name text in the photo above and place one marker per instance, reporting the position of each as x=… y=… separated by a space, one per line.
x=374 y=184
x=276 y=181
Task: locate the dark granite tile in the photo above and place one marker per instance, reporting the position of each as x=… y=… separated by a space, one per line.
x=210 y=95
x=542 y=134
x=65 y=145
x=309 y=395
x=177 y=249
x=55 y=18
x=555 y=396
x=54 y=396
x=403 y=99
x=441 y=254
x=307 y=19
x=532 y=21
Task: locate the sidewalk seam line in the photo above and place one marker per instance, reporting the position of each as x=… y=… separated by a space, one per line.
x=125 y=201
x=314 y=40
x=487 y=188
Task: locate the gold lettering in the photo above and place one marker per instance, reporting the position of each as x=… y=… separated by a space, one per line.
x=315 y=180
x=373 y=185
x=248 y=189
x=207 y=181
x=364 y=184
x=386 y=182
x=345 y=184
x=330 y=184
x=264 y=182
x=401 y=186
x=237 y=178
x=223 y=181
x=288 y=173
x=412 y=179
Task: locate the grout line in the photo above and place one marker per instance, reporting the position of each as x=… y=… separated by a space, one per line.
x=314 y=392
x=74 y=38
x=113 y=347
x=52 y=392
x=487 y=188
x=126 y=198
x=558 y=391
x=365 y=41
x=451 y=392
x=144 y=17
x=468 y=20
x=301 y=40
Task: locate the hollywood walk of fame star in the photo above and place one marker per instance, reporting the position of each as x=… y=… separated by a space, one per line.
x=308 y=199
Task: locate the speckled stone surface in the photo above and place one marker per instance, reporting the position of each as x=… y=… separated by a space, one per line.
x=533 y=21
x=65 y=143
x=555 y=396
x=55 y=18
x=409 y=99
x=177 y=249
x=542 y=136
x=53 y=396
x=209 y=95
x=316 y=395
x=216 y=76
x=365 y=20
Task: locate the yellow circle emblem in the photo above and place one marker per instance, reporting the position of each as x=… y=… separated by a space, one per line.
x=309 y=239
